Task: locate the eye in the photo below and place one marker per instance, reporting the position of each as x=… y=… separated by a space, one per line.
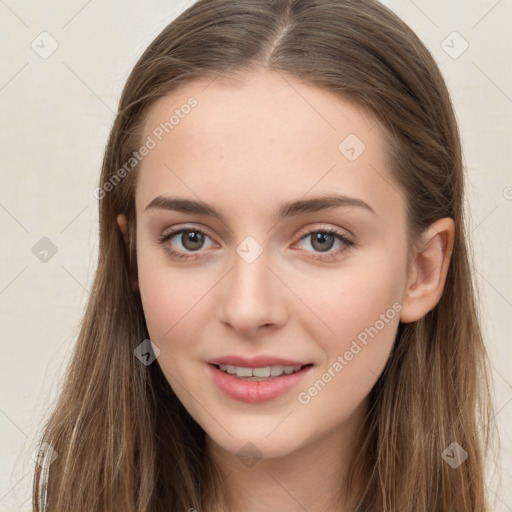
x=323 y=240
x=190 y=239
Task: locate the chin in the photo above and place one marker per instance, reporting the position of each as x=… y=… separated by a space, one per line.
x=254 y=443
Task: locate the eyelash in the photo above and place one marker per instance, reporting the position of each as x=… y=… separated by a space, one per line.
x=328 y=256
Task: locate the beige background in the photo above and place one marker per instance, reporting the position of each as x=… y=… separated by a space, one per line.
x=55 y=116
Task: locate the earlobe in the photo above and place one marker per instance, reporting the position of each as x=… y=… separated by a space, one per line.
x=430 y=267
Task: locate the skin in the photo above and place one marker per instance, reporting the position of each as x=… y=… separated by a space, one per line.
x=250 y=145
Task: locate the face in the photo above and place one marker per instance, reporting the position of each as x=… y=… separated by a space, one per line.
x=281 y=276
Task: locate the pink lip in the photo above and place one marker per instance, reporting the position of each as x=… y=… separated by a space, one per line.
x=256 y=362
x=256 y=391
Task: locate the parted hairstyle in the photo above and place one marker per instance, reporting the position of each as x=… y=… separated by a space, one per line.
x=123 y=440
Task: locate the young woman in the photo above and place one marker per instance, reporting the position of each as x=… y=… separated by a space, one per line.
x=281 y=214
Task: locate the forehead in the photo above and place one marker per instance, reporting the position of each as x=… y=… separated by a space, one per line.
x=262 y=102
x=264 y=134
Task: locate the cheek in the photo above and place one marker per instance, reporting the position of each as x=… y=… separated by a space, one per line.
x=359 y=313
x=347 y=302
x=172 y=301
x=159 y=300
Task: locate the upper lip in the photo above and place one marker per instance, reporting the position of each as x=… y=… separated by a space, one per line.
x=255 y=362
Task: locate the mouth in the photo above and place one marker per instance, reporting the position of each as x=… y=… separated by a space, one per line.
x=264 y=373
x=257 y=384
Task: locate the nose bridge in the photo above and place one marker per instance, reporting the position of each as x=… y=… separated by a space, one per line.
x=251 y=296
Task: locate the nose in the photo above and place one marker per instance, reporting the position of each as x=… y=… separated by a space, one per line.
x=252 y=299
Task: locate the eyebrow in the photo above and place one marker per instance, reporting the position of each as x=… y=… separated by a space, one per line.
x=288 y=209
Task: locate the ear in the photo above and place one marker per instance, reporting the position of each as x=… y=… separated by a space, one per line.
x=427 y=277
x=123 y=226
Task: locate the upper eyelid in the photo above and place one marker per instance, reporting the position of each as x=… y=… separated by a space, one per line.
x=177 y=230
x=326 y=227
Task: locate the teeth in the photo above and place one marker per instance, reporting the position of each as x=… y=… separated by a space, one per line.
x=261 y=372
x=243 y=372
x=265 y=372
x=276 y=370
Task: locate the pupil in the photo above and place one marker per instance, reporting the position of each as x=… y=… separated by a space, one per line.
x=323 y=239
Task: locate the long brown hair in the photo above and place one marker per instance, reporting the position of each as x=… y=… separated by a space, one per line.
x=123 y=441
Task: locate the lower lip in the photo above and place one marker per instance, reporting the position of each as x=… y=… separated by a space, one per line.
x=256 y=391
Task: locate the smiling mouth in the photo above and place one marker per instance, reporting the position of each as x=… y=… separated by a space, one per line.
x=259 y=374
